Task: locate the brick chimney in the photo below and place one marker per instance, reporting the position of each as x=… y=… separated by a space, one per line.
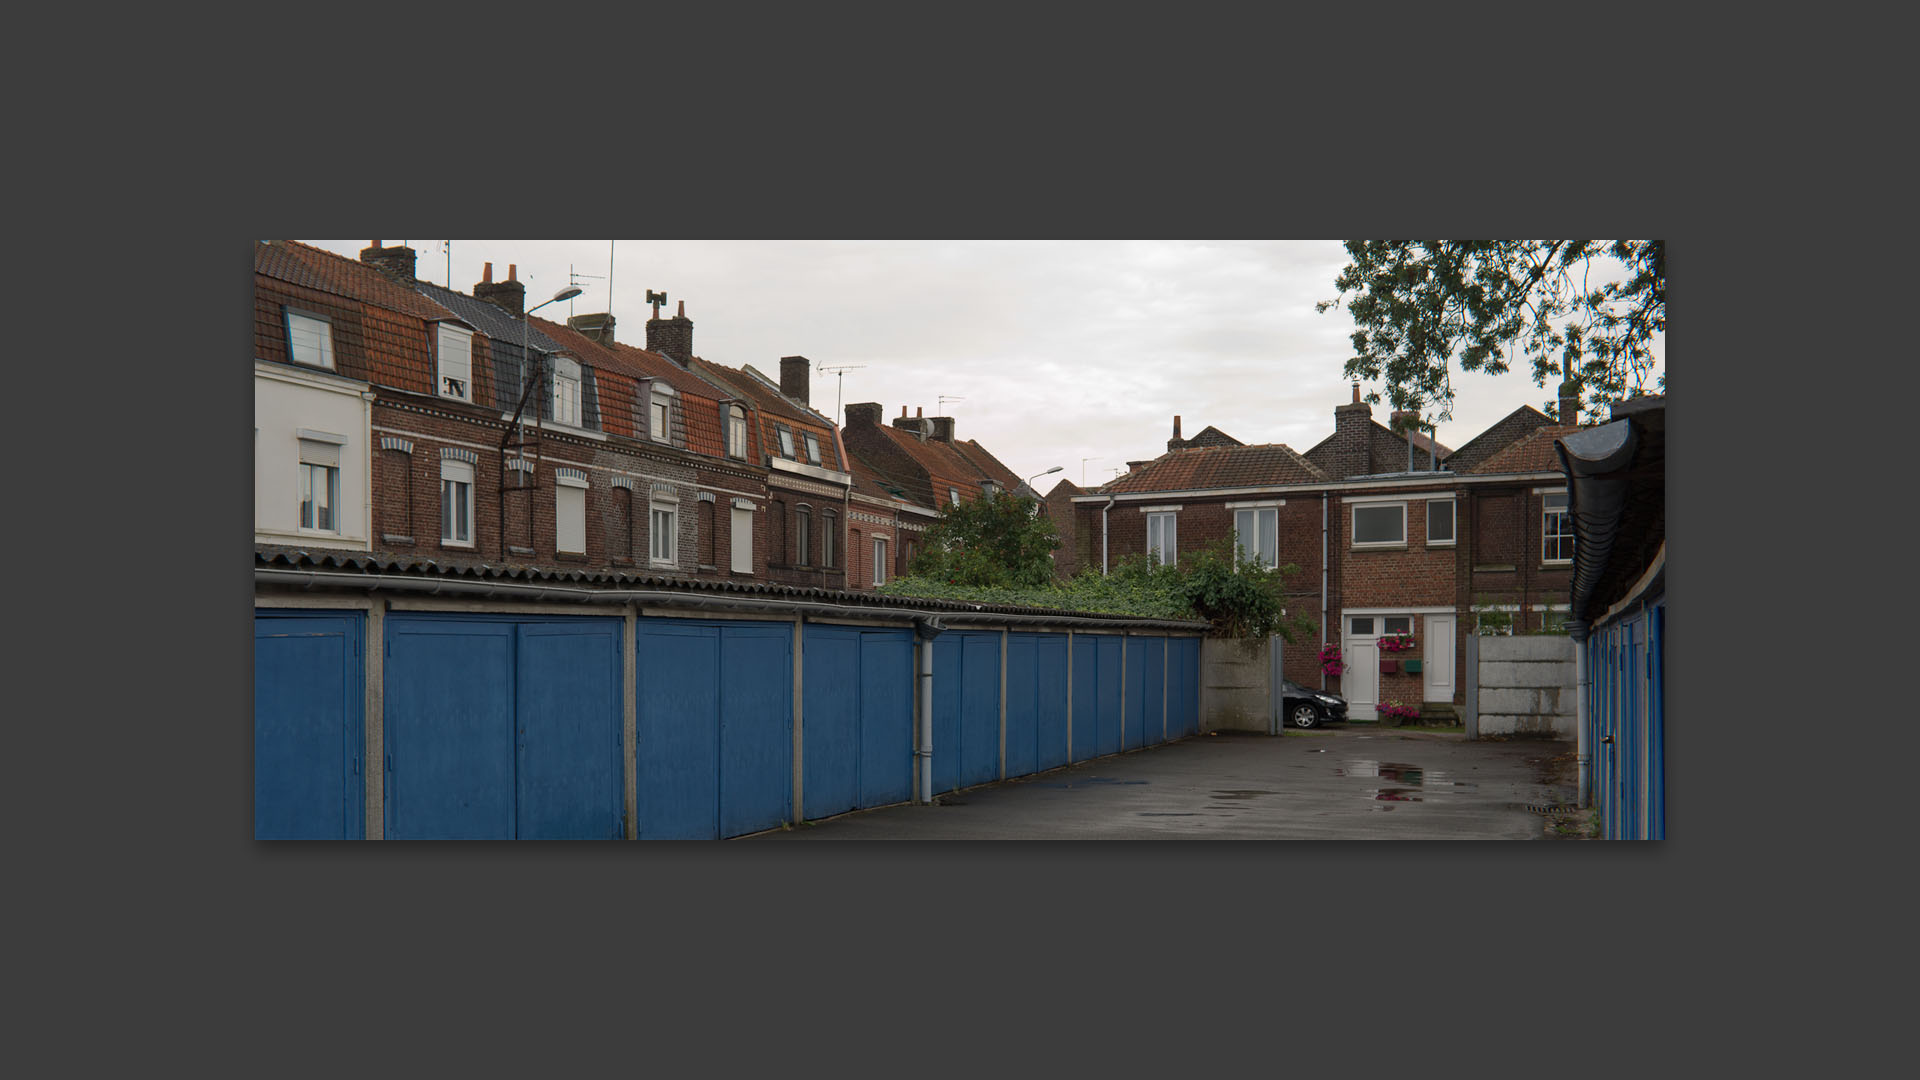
x=509 y=295
x=1176 y=443
x=942 y=429
x=864 y=414
x=396 y=262
x=793 y=377
x=672 y=338
x=917 y=423
x=598 y=328
x=1569 y=401
x=1353 y=437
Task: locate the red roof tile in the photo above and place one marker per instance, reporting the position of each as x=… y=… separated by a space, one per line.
x=1221 y=467
x=1532 y=452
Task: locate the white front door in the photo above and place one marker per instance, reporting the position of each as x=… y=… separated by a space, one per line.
x=1439 y=648
x=1361 y=682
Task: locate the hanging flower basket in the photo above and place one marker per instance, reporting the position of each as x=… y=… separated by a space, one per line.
x=1330 y=661
x=1396 y=643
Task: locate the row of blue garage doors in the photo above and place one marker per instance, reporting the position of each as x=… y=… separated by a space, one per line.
x=503 y=727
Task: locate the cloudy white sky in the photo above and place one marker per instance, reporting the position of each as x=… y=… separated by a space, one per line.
x=1060 y=350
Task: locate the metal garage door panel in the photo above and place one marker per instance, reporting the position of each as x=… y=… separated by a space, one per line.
x=979 y=708
x=1190 y=686
x=1086 y=699
x=1153 y=696
x=308 y=734
x=1050 y=700
x=830 y=720
x=946 y=712
x=886 y=717
x=1133 y=724
x=1107 y=694
x=756 y=727
x=677 y=719
x=1023 y=719
x=568 y=695
x=449 y=729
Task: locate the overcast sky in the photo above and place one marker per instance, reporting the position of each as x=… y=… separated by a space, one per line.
x=1060 y=350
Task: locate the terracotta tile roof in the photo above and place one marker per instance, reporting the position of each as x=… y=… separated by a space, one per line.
x=1221 y=467
x=945 y=466
x=1489 y=442
x=1532 y=452
x=776 y=408
x=619 y=369
x=988 y=465
x=302 y=264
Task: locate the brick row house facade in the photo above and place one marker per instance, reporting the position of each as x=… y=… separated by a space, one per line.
x=1391 y=533
x=400 y=418
x=905 y=475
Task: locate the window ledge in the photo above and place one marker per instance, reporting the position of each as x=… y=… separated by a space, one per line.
x=704 y=566
x=1380 y=547
x=571 y=556
x=513 y=549
x=389 y=538
x=1443 y=543
x=1495 y=568
x=1558 y=564
x=661 y=564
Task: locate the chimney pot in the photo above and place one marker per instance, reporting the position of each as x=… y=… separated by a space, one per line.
x=1176 y=425
x=919 y=410
x=681 y=311
x=486 y=273
x=1356 y=393
x=903 y=412
x=512 y=271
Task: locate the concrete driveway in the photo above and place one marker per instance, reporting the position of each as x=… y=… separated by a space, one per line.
x=1347 y=783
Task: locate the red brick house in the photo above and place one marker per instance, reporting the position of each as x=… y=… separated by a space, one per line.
x=1391 y=533
x=910 y=472
x=442 y=438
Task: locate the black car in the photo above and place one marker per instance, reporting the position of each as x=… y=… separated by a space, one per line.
x=1305 y=707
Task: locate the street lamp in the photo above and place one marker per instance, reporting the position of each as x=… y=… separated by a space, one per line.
x=1038 y=475
x=529 y=378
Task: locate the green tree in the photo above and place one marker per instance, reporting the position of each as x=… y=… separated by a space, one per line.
x=996 y=540
x=1418 y=305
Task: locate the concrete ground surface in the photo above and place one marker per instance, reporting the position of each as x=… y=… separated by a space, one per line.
x=1346 y=783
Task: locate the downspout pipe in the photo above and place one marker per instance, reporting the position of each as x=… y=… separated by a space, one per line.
x=924 y=631
x=1323 y=583
x=1103 y=533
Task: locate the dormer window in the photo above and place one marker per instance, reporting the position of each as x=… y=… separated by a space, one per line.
x=309 y=340
x=454 y=353
x=953 y=495
x=786 y=441
x=660 y=413
x=566 y=391
x=813 y=448
x=736 y=431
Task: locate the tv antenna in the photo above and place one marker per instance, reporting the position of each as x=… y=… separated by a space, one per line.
x=1083 y=469
x=941 y=405
x=839 y=371
x=574 y=277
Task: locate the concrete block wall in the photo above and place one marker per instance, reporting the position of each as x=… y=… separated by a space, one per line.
x=1236 y=686
x=1527 y=685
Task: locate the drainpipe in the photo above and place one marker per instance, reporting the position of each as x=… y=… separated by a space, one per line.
x=1103 y=534
x=926 y=630
x=1323 y=582
x=1577 y=629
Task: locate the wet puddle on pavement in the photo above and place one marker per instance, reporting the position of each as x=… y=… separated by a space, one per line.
x=1240 y=793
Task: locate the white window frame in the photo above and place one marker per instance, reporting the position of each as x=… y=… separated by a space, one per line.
x=565 y=403
x=1547 y=514
x=569 y=514
x=456 y=525
x=1168 y=547
x=1354 y=524
x=813 y=446
x=737 y=432
x=453 y=360
x=316 y=352
x=1453 y=522
x=741 y=538
x=319 y=458
x=785 y=434
x=1258 y=515
x=878 y=571
x=663 y=531
x=953 y=495
x=660 y=413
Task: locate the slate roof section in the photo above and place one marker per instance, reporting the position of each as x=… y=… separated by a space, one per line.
x=1532 y=452
x=1259 y=465
x=1211 y=436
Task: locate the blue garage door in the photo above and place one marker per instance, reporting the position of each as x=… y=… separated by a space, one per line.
x=1133 y=722
x=714 y=722
x=966 y=709
x=856 y=718
x=1096 y=694
x=1183 y=686
x=1153 y=695
x=1050 y=700
x=1023 y=717
x=309 y=704
x=500 y=728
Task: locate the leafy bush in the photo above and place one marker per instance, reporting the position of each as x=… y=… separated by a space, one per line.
x=995 y=541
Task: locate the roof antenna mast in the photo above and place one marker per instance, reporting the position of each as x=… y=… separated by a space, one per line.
x=839 y=393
